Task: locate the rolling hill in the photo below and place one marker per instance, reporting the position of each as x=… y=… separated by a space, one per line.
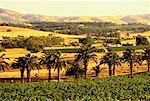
x=13 y=16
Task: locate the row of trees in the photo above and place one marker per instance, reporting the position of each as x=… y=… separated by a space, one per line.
x=86 y=54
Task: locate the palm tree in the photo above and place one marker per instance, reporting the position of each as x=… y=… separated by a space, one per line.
x=30 y=63
x=97 y=70
x=58 y=63
x=48 y=61
x=75 y=70
x=130 y=56
x=146 y=56
x=115 y=61
x=111 y=59
x=3 y=63
x=108 y=59
x=20 y=63
x=86 y=53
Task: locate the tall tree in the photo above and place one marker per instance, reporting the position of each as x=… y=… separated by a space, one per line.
x=59 y=63
x=131 y=57
x=111 y=59
x=48 y=60
x=108 y=59
x=86 y=53
x=146 y=56
x=19 y=63
x=31 y=63
x=115 y=61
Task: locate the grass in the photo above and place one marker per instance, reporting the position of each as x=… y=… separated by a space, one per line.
x=122 y=88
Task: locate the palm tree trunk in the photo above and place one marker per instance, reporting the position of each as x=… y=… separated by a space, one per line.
x=49 y=74
x=148 y=63
x=28 y=74
x=85 y=68
x=75 y=75
x=85 y=71
x=22 y=75
x=96 y=74
x=58 y=74
x=131 y=68
x=114 y=69
x=110 y=70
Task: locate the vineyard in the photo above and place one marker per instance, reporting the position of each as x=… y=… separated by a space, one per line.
x=138 y=47
x=122 y=88
x=70 y=50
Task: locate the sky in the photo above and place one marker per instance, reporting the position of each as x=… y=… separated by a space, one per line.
x=78 y=7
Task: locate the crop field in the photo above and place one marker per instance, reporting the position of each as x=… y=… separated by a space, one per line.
x=122 y=88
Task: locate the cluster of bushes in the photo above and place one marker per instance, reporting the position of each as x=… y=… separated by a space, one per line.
x=33 y=44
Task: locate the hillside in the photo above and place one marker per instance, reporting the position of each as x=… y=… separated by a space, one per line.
x=15 y=31
x=13 y=16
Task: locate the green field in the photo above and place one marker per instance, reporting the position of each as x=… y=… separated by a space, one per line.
x=122 y=88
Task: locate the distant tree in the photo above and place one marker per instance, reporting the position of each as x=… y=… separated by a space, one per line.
x=127 y=34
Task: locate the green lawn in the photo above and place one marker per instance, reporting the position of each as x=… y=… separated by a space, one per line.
x=122 y=88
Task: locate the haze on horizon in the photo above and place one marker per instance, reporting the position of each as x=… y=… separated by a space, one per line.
x=78 y=7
